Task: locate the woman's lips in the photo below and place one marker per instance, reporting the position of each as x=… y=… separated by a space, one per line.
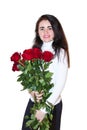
x=46 y=36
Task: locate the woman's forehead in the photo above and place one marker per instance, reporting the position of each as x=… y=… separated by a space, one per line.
x=44 y=23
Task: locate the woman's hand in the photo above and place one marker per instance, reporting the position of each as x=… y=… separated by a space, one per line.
x=39 y=115
x=36 y=95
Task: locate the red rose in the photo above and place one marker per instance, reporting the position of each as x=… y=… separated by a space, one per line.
x=15 y=57
x=27 y=54
x=47 y=56
x=37 y=53
x=33 y=53
x=14 y=67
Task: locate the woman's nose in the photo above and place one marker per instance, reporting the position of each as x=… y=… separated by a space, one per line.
x=46 y=31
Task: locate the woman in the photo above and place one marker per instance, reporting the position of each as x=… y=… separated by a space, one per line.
x=50 y=36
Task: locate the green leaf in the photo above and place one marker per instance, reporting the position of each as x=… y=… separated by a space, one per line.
x=42 y=82
x=46 y=66
x=28 y=123
x=36 y=126
x=21 y=67
x=48 y=75
x=29 y=67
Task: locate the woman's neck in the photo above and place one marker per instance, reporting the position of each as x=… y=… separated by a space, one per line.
x=48 y=43
x=47 y=46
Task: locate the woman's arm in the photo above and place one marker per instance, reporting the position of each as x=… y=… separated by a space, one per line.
x=60 y=69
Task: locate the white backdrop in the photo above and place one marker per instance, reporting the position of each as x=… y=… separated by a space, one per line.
x=17 y=23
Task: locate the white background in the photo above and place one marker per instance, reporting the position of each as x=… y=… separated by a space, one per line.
x=17 y=24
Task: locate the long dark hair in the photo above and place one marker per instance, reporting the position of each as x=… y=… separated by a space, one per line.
x=59 y=36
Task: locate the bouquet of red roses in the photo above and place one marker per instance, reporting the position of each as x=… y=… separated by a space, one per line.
x=35 y=76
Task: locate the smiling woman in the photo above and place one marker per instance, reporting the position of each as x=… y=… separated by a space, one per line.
x=50 y=37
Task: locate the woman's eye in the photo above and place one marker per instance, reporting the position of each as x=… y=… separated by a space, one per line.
x=50 y=28
x=41 y=29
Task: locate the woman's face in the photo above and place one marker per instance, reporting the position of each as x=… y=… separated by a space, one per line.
x=45 y=31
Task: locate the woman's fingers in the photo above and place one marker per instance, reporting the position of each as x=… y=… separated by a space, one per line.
x=38 y=96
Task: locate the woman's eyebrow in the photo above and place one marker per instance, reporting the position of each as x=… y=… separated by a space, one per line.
x=41 y=27
x=47 y=26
